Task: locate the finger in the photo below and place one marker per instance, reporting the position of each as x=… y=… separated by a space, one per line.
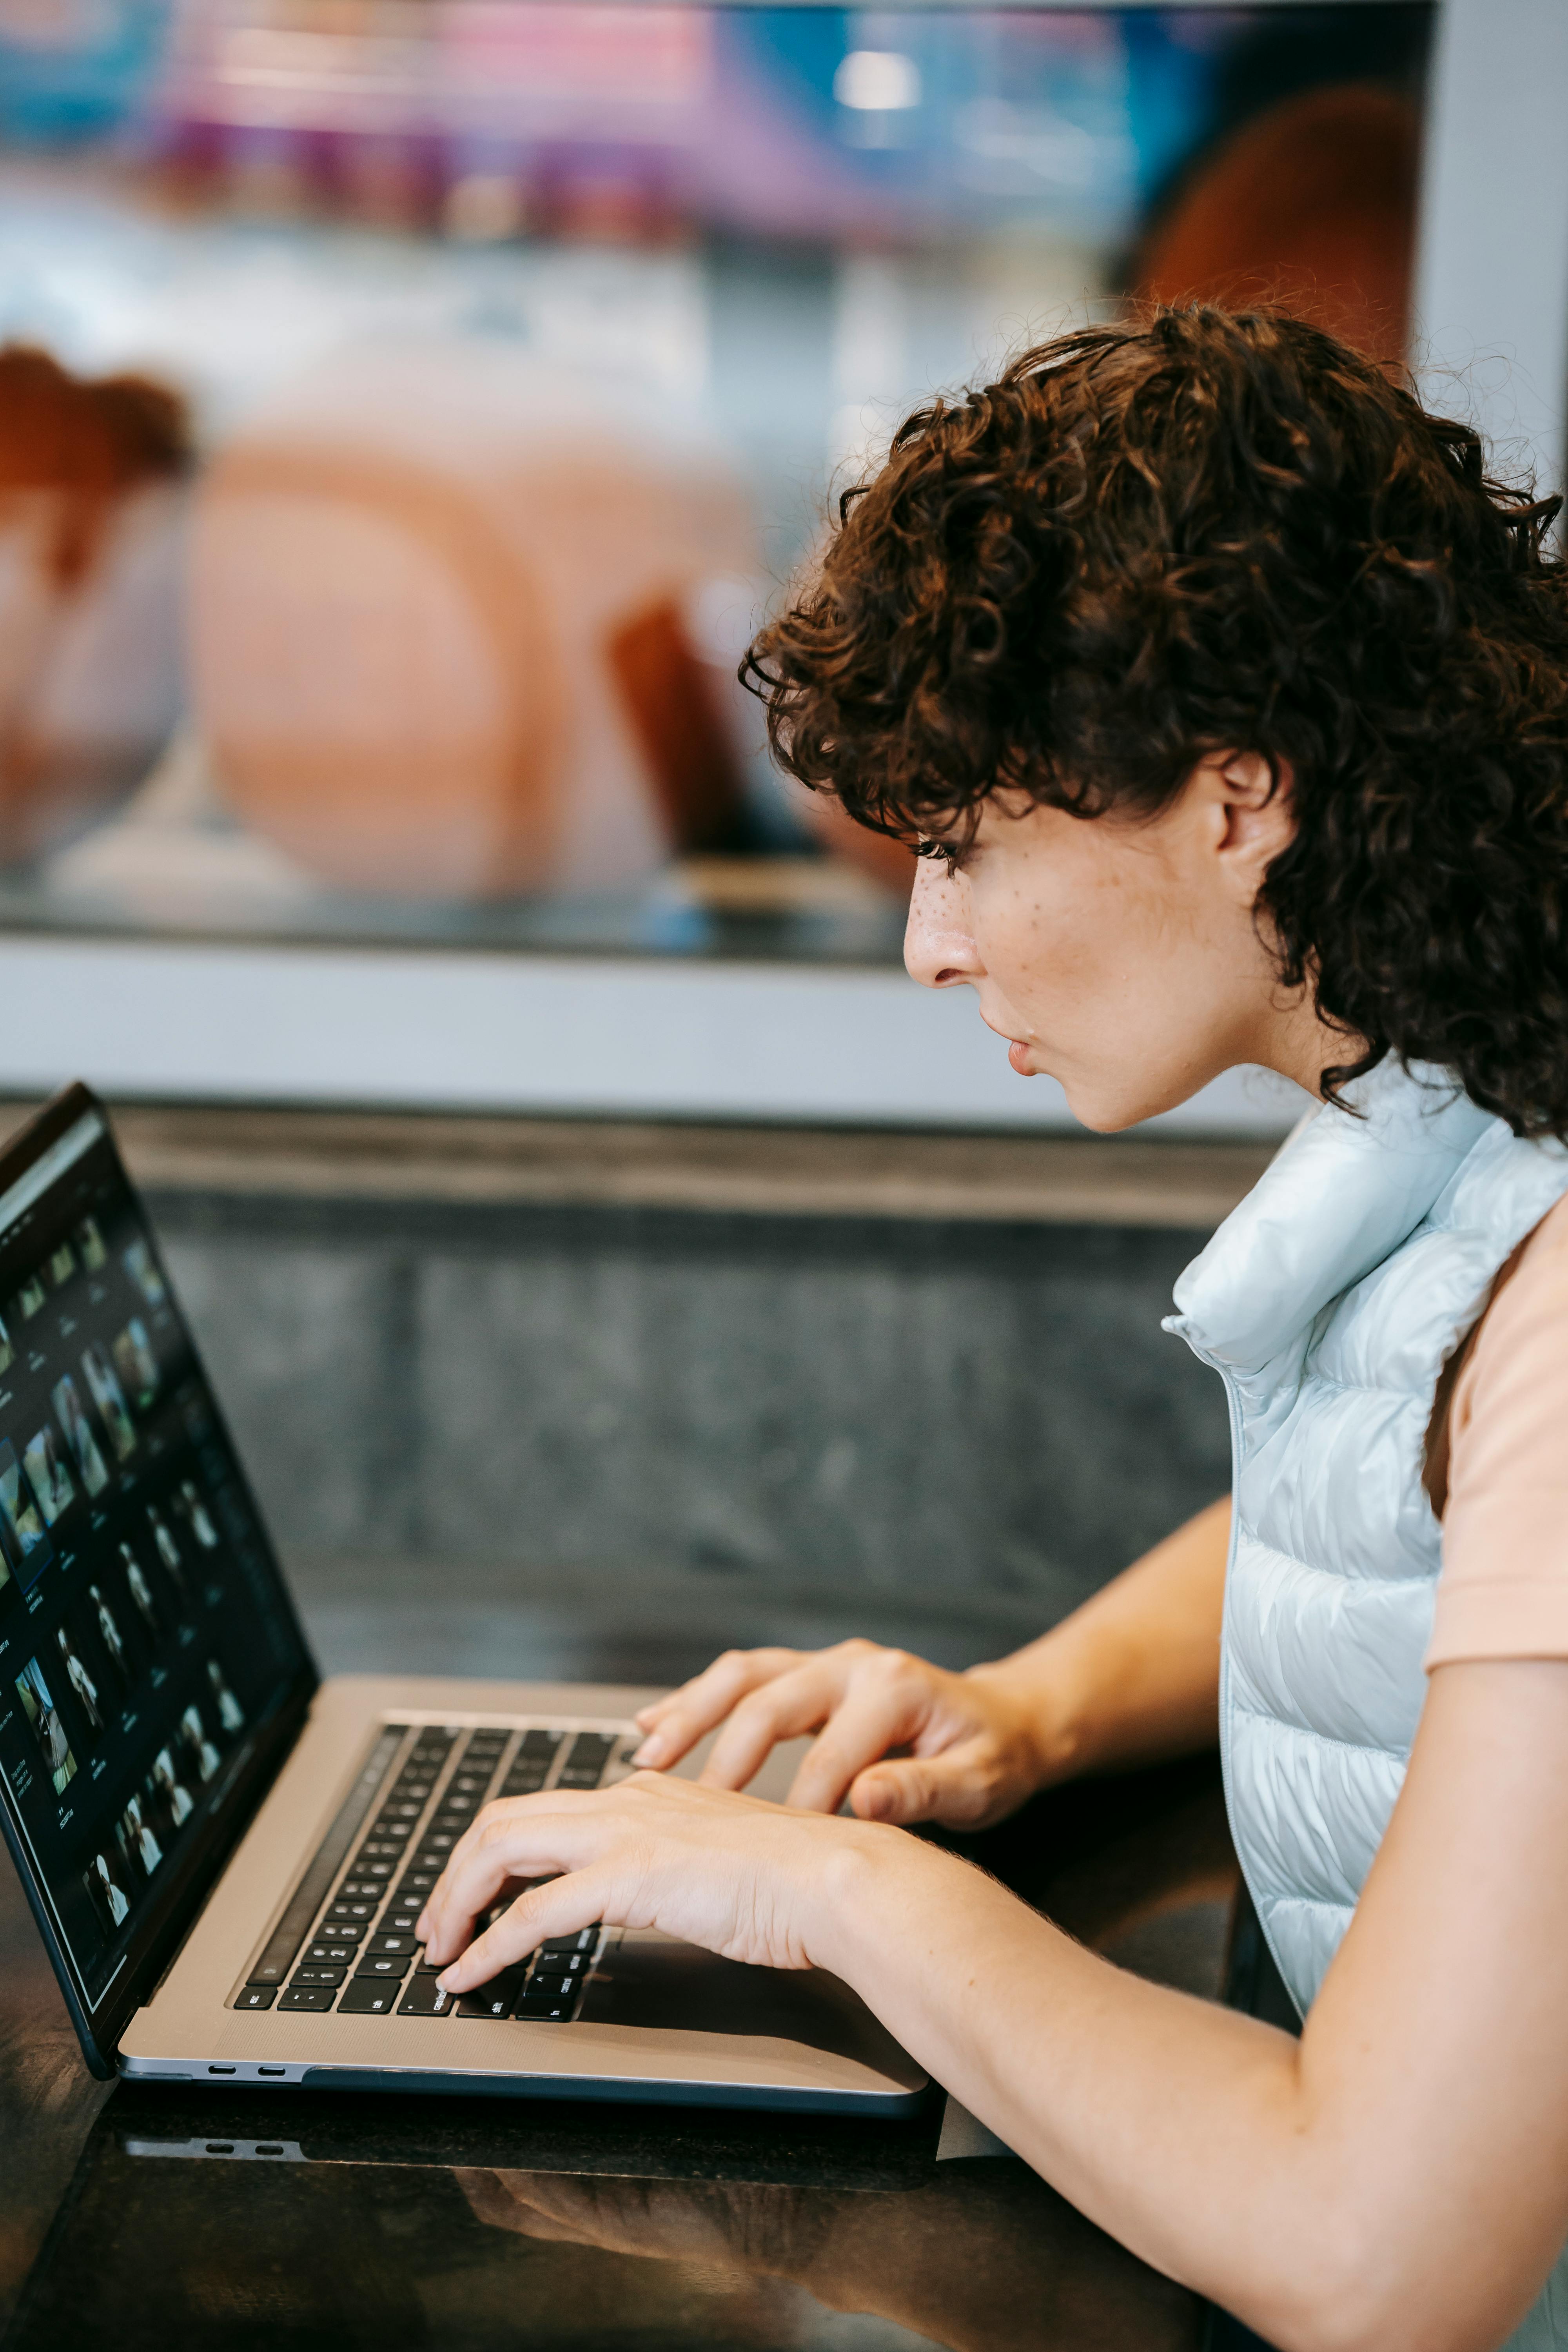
x=579 y=1899
x=883 y=1709
x=503 y=1809
x=783 y=1709
x=490 y=2194
x=679 y=1721
x=720 y=1684
x=484 y=1821
x=519 y=2201
x=523 y=1842
x=956 y=1788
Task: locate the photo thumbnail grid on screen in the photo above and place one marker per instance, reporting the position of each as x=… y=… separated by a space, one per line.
x=144 y=1634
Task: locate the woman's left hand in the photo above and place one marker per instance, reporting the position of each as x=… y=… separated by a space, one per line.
x=753 y=1881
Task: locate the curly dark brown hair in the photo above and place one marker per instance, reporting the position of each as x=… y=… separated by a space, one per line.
x=1208 y=530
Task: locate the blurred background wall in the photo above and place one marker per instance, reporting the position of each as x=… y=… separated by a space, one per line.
x=755 y=1416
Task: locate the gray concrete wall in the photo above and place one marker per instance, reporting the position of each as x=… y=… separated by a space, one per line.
x=977 y=1420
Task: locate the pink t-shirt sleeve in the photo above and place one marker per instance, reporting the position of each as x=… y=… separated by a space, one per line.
x=1503 y=1590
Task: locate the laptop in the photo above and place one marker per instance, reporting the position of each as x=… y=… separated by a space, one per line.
x=225 y=1853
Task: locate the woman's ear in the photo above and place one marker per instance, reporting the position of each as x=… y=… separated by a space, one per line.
x=1251 y=818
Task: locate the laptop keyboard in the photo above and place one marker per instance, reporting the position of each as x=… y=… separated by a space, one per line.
x=345 y=1941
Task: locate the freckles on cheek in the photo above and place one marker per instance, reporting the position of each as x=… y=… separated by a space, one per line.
x=1042 y=952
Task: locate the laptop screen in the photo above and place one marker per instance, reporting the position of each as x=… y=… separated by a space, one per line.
x=147 y=1641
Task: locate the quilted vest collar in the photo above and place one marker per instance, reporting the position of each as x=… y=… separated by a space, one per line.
x=1341 y=1196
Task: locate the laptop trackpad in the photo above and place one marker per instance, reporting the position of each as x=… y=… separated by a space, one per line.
x=652 y=1981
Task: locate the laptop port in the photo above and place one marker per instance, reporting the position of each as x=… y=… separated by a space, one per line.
x=220 y=2148
x=272 y=2069
x=222 y=2069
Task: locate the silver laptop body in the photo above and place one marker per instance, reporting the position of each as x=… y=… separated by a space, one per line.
x=225 y=1855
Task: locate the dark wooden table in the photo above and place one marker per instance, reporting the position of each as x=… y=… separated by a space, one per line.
x=138 y=2218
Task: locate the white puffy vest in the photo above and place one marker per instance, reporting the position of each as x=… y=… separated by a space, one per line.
x=1329 y=1301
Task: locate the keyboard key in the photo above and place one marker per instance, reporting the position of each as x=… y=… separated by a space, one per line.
x=307 y=1997
x=522 y=1784
x=371 y=1890
x=346 y=1908
x=314 y=1884
x=319 y=1955
x=541 y=2010
x=310 y=1975
x=550 y=1987
x=339 y=1931
x=383 y=1964
x=497 y=1998
x=425 y=1997
x=394 y=1940
x=590 y=1754
x=362 y=1998
x=417 y=1882
x=582 y=1941
x=257 y=1997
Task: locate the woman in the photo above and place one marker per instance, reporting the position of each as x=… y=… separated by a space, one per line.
x=1229 y=700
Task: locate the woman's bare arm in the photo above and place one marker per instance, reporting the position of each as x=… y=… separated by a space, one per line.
x=1134 y=1673
x=1395 y=2181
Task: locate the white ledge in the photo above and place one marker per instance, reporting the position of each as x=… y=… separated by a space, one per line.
x=425 y=1029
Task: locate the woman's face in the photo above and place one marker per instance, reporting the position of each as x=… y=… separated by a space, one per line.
x=1121 y=957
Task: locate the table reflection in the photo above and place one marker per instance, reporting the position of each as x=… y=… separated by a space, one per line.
x=981 y=2258
x=205 y=2222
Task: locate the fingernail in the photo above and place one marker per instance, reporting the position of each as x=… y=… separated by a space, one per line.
x=650 y=1752
x=444 y=1981
x=422 y=1926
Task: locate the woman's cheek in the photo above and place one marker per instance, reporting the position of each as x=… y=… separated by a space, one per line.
x=1037 y=958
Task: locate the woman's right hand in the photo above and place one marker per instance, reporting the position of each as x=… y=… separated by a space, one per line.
x=902 y=1741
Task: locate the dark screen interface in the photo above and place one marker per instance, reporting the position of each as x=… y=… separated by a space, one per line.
x=144 y=1635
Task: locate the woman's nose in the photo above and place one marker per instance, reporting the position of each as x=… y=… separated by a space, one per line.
x=939 y=945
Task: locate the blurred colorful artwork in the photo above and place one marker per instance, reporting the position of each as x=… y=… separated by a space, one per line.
x=726 y=249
